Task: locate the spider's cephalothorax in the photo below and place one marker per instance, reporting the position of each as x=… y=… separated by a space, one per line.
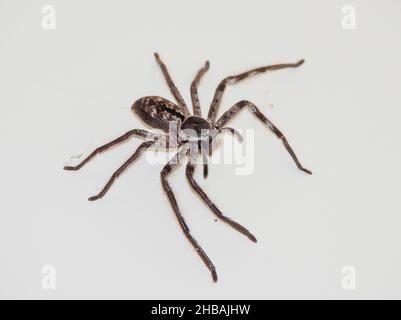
x=195 y=136
x=195 y=128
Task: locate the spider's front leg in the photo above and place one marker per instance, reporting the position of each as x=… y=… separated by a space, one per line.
x=234 y=110
x=194 y=89
x=173 y=163
x=214 y=106
x=173 y=89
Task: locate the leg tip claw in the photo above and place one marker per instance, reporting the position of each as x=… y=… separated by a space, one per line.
x=93 y=198
x=214 y=276
x=252 y=238
x=70 y=168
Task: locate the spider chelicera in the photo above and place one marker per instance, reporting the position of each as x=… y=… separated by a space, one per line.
x=194 y=137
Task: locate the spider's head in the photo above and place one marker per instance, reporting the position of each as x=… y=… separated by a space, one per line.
x=202 y=133
x=195 y=129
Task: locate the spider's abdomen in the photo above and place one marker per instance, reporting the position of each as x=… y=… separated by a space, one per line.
x=158 y=112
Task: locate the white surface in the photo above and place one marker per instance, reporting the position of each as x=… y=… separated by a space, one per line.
x=65 y=91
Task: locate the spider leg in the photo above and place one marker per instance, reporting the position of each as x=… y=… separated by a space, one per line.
x=214 y=106
x=166 y=186
x=174 y=90
x=137 y=132
x=234 y=110
x=189 y=173
x=194 y=89
x=121 y=169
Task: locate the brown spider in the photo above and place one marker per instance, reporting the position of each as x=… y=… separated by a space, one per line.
x=195 y=135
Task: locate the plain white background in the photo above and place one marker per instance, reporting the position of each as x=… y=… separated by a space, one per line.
x=68 y=90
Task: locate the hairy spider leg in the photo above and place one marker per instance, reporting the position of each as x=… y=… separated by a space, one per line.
x=194 y=90
x=145 y=145
x=173 y=163
x=236 y=108
x=135 y=132
x=189 y=173
x=174 y=90
x=215 y=104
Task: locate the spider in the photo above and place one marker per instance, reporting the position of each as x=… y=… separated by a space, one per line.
x=195 y=138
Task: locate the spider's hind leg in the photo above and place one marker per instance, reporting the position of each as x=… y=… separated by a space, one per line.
x=135 y=132
x=166 y=186
x=189 y=173
x=235 y=109
x=120 y=170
